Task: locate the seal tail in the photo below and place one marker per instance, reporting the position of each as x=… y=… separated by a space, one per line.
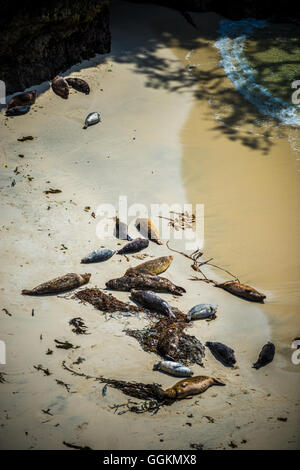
x=218 y=382
x=256 y=365
x=85 y=127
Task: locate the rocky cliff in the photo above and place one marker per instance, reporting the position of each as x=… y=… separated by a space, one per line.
x=40 y=39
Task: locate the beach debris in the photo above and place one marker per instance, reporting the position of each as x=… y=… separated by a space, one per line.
x=47 y=412
x=24 y=139
x=152 y=301
x=65 y=345
x=148 y=230
x=21 y=155
x=79 y=327
x=190 y=386
x=76 y=447
x=59 y=284
x=17 y=111
x=144 y=281
x=121 y=230
x=266 y=356
x=63 y=384
x=201 y=311
x=242 y=290
x=104 y=390
x=197 y=446
x=104 y=302
x=182 y=221
x=52 y=191
x=32 y=312
x=22 y=99
x=40 y=367
x=78 y=84
x=49 y=352
x=159 y=337
x=222 y=352
x=173 y=368
x=136 y=245
x=232 y=444
x=283 y=419
x=60 y=87
x=91 y=119
x=6 y=312
x=79 y=360
x=153 y=266
x=98 y=255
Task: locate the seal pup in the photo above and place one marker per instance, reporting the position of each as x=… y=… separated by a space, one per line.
x=222 y=352
x=191 y=386
x=138 y=244
x=144 y=282
x=266 y=356
x=17 y=110
x=153 y=266
x=98 y=255
x=60 y=87
x=242 y=290
x=78 y=84
x=149 y=300
x=201 y=311
x=91 y=119
x=59 y=284
x=173 y=368
x=23 y=99
x=148 y=230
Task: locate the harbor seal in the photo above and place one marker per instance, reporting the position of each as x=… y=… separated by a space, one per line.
x=60 y=87
x=136 y=245
x=104 y=302
x=59 y=284
x=242 y=290
x=98 y=255
x=266 y=356
x=91 y=119
x=222 y=352
x=149 y=300
x=23 y=99
x=153 y=266
x=173 y=368
x=144 y=282
x=17 y=110
x=148 y=230
x=78 y=84
x=201 y=311
x=121 y=230
x=191 y=386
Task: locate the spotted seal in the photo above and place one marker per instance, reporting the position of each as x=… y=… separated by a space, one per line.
x=242 y=290
x=59 y=284
x=222 y=352
x=144 y=282
x=266 y=356
x=60 y=87
x=153 y=266
x=136 y=245
x=23 y=99
x=98 y=255
x=78 y=84
x=148 y=230
x=152 y=301
x=173 y=368
x=190 y=386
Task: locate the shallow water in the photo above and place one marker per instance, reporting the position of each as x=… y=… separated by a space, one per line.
x=245 y=168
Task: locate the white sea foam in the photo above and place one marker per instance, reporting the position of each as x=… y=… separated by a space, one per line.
x=243 y=76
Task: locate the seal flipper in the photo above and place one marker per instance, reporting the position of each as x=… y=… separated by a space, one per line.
x=218 y=382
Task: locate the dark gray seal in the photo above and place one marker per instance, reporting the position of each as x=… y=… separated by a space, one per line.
x=222 y=352
x=153 y=302
x=266 y=356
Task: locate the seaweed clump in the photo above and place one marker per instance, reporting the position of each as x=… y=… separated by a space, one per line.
x=104 y=302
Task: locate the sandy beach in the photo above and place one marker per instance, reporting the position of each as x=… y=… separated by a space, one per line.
x=160 y=141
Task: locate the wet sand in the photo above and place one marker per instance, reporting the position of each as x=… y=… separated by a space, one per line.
x=145 y=148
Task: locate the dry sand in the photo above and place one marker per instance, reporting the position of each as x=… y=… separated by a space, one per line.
x=151 y=118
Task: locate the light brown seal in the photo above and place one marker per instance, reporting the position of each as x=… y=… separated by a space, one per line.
x=242 y=290
x=191 y=386
x=144 y=282
x=153 y=266
x=59 y=284
x=23 y=99
x=148 y=230
x=60 y=86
